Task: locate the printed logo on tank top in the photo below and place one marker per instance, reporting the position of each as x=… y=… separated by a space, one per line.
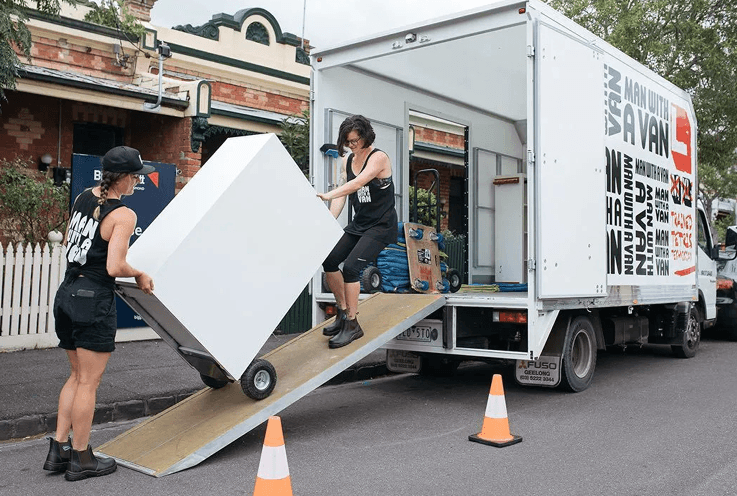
x=79 y=240
x=363 y=194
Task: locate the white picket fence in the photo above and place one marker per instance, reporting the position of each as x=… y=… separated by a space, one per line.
x=29 y=278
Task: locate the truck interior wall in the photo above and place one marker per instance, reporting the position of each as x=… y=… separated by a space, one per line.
x=345 y=91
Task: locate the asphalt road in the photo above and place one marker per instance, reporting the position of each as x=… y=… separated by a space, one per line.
x=650 y=424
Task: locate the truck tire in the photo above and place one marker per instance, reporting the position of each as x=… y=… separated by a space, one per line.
x=211 y=382
x=259 y=379
x=691 y=336
x=579 y=355
x=371 y=279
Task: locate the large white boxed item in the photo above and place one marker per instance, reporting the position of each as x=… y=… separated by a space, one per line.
x=231 y=252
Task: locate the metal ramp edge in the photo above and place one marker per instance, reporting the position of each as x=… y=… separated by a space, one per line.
x=199 y=426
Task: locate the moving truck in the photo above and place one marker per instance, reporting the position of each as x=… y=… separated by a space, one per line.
x=580 y=183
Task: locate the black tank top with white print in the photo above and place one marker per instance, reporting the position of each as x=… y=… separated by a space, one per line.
x=86 y=250
x=373 y=206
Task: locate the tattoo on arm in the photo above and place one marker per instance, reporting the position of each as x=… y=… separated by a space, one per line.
x=343 y=176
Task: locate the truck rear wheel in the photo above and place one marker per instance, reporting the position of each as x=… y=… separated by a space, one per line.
x=691 y=336
x=579 y=355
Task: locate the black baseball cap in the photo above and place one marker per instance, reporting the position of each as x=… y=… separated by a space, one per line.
x=126 y=160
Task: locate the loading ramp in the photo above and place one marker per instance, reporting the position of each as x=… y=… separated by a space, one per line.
x=204 y=423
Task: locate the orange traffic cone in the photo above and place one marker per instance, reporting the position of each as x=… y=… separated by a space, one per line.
x=495 y=430
x=273 y=473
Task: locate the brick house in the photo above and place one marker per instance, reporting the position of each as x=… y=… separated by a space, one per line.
x=88 y=88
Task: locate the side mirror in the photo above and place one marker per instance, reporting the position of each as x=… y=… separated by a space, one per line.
x=715 y=252
x=731 y=236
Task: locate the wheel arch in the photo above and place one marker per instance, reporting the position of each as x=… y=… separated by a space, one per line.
x=556 y=339
x=701 y=306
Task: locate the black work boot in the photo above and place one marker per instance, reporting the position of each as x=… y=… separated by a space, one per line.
x=336 y=326
x=58 y=458
x=83 y=464
x=350 y=332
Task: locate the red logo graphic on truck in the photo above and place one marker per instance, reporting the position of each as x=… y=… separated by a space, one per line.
x=681 y=144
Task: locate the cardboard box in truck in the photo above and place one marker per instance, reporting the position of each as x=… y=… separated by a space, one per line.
x=579 y=181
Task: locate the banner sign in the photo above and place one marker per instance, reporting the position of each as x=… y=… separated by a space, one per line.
x=651 y=198
x=151 y=195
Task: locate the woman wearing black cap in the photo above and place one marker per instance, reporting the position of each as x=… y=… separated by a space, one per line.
x=97 y=238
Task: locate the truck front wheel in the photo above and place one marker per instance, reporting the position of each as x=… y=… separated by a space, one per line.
x=691 y=336
x=579 y=355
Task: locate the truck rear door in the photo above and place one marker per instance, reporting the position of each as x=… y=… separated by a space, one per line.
x=570 y=164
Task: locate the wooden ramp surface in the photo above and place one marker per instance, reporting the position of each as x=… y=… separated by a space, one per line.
x=195 y=428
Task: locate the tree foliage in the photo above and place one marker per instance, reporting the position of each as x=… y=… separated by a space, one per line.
x=113 y=14
x=693 y=44
x=30 y=205
x=295 y=136
x=14 y=34
x=426 y=210
x=721 y=225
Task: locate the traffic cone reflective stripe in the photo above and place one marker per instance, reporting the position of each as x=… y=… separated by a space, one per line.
x=495 y=429
x=496 y=423
x=273 y=472
x=273 y=464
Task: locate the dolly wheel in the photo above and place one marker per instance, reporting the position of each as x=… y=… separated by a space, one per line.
x=212 y=382
x=415 y=233
x=259 y=379
x=371 y=279
x=454 y=279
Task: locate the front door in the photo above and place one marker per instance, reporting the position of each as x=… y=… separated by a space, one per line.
x=707 y=268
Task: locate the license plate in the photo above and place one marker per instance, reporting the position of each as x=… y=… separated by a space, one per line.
x=422 y=334
x=542 y=372
x=402 y=361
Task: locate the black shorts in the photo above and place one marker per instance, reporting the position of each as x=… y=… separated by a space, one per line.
x=85 y=315
x=356 y=252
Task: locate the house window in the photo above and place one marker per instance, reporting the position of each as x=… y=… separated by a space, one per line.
x=96 y=139
x=258 y=33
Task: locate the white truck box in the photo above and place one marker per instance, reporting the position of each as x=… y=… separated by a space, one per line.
x=602 y=221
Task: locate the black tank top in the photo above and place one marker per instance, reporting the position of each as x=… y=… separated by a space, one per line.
x=86 y=250
x=373 y=206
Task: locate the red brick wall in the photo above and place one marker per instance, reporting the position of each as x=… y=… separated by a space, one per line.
x=141 y=9
x=440 y=138
x=250 y=97
x=64 y=56
x=166 y=139
x=99 y=114
x=29 y=127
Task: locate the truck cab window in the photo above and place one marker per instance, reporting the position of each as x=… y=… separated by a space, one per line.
x=704 y=241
